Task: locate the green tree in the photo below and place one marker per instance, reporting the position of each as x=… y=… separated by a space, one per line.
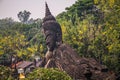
x=32 y=37
x=92 y=28
x=48 y=74
x=24 y=16
x=5 y=73
x=111 y=31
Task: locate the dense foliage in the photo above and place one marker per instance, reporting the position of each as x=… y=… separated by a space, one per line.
x=21 y=40
x=92 y=27
x=5 y=73
x=47 y=74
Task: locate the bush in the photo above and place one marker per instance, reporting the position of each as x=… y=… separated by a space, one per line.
x=5 y=73
x=47 y=74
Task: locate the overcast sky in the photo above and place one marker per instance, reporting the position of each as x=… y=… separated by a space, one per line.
x=10 y=8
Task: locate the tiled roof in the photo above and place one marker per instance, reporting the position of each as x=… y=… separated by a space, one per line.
x=22 y=64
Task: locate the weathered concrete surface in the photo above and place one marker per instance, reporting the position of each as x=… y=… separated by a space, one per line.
x=66 y=59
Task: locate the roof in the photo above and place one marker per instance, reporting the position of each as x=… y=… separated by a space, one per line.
x=22 y=64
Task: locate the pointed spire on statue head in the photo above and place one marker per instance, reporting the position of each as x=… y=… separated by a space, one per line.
x=47 y=12
x=48 y=15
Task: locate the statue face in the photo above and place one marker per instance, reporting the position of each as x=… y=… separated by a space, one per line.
x=50 y=40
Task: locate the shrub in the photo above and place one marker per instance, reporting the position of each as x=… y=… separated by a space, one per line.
x=47 y=74
x=5 y=73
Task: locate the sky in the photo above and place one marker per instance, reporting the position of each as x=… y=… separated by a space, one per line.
x=10 y=8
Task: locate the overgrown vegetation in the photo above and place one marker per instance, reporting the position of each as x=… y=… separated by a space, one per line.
x=93 y=29
x=22 y=40
x=48 y=74
x=5 y=73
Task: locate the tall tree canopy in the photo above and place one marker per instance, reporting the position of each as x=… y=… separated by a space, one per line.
x=23 y=16
x=92 y=27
